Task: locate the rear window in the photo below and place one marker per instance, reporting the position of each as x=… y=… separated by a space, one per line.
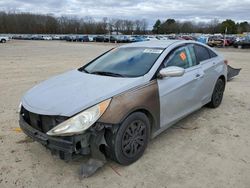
x=202 y=53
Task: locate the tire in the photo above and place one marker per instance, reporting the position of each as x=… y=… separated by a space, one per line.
x=239 y=46
x=217 y=95
x=129 y=142
x=3 y=41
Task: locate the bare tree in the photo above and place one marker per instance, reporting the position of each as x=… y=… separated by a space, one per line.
x=18 y=22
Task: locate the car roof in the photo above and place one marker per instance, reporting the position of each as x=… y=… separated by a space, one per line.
x=154 y=44
x=164 y=44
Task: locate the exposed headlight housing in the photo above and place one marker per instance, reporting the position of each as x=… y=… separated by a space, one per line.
x=80 y=122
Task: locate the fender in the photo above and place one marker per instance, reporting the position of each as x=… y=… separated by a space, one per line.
x=144 y=98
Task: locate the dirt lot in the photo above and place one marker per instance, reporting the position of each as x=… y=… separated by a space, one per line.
x=210 y=148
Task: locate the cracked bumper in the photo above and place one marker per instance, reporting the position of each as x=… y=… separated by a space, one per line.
x=66 y=147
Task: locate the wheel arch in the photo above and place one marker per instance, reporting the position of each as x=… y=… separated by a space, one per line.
x=223 y=78
x=149 y=115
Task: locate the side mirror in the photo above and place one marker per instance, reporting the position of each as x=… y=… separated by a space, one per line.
x=172 y=71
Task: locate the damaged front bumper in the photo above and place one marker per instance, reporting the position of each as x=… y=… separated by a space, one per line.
x=68 y=147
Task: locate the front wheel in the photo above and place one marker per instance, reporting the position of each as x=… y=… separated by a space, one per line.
x=128 y=144
x=217 y=95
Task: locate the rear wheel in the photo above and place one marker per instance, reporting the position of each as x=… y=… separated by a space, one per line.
x=3 y=41
x=130 y=141
x=217 y=95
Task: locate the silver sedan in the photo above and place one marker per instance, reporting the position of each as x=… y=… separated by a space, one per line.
x=113 y=105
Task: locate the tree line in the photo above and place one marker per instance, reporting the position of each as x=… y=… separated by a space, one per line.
x=214 y=26
x=22 y=23
x=38 y=24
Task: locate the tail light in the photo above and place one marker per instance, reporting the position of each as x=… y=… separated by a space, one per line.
x=226 y=62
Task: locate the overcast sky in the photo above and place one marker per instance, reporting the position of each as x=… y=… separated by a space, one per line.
x=194 y=10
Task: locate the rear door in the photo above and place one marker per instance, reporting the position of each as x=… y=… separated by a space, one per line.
x=180 y=96
x=208 y=62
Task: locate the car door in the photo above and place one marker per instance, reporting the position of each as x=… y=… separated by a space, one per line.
x=180 y=96
x=208 y=62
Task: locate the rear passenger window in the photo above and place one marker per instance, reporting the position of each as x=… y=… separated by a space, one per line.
x=212 y=54
x=202 y=53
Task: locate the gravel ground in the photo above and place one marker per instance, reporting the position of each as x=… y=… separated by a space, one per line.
x=210 y=148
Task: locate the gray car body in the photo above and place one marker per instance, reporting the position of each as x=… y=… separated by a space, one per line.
x=74 y=91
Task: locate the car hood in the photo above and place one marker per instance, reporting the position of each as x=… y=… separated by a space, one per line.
x=74 y=91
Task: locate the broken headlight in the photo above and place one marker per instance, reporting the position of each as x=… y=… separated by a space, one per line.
x=80 y=122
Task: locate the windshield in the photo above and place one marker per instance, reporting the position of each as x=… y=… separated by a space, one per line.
x=124 y=62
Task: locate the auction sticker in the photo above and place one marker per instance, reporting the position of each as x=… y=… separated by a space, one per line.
x=183 y=56
x=152 y=51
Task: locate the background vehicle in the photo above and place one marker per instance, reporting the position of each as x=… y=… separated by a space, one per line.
x=203 y=39
x=113 y=38
x=91 y=38
x=217 y=42
x=55 y=37
x=71 y=38
x=242 y=43
x=123 y=39
x=47 y=38
x=4 y=39
x=151 y=38
x=34 y=37
x=230 y=40
x=137 y=38
x=101 y=38
x=82 y=38
x=185 y=37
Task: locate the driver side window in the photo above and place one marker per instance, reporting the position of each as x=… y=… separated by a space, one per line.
x=181 y=57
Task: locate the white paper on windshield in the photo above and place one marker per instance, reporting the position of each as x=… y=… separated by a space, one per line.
x=152 y=51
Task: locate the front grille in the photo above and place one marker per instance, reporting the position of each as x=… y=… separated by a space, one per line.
x=42 y=123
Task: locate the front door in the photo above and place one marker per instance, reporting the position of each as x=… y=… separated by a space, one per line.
x=180 y=96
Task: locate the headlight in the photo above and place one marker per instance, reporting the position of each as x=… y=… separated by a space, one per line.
x=80 y=122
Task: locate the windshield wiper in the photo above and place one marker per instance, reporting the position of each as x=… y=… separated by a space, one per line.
x=107 y=73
